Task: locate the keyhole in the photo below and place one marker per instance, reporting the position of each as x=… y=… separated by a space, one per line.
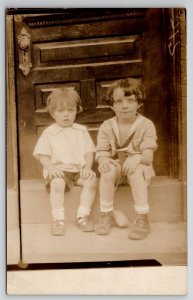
x=24 y=57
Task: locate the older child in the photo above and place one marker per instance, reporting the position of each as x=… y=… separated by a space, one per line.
x=65 y=151
x=125 y=149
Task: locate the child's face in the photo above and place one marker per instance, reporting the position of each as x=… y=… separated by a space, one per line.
x=125 y=107
x=65 y=113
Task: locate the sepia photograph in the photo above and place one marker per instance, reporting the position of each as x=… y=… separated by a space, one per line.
x=96 y=140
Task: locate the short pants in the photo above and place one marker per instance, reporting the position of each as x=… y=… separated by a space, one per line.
x=70 y=179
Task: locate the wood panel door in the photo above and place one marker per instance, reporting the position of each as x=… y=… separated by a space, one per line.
x=86 y=50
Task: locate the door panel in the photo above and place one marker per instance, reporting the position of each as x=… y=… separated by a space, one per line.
x=86 y=52
x=83 y=51
x=42 y=91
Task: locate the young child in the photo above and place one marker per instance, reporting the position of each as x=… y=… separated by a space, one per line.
x=125 y=149
x=66 y=151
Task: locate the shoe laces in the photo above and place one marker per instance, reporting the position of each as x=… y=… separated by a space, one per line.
x=140 y=221
x=106 y=217
x=83 y=220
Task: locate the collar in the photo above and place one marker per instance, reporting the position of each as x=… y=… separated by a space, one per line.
x=134 y=126
x=55 y=128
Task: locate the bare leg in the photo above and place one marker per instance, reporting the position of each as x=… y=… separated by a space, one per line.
x=87 y=197
x=107 y=188
x=139 y=189
x=57 y=198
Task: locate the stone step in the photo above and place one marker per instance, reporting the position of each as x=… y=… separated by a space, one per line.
x=165 y=198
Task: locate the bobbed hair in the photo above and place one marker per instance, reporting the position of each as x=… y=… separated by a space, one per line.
x=60 y=96
x=130 y=86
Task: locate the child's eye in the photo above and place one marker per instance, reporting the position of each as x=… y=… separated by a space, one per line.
x=118 y=101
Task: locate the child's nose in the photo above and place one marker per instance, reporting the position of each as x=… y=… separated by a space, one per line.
x=65 y=112
x=125 y=103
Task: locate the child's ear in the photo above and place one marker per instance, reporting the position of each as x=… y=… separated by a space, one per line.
x=51 y=114
x=140 y=105
x=140 y=108
x=79 y=109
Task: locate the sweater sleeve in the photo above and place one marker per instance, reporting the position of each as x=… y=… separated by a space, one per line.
x=103 y=147
x=149 y=138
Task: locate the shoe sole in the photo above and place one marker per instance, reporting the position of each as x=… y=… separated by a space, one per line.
x=57 y=234
x=139 y=238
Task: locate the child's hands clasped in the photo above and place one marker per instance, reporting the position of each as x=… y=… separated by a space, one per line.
x=86 y=173
x=105 y=164
x=131 y=164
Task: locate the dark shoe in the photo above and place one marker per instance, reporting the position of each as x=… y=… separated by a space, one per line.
x=58 y=227
x=85 y=224
x=141 y=228
x=105 y=223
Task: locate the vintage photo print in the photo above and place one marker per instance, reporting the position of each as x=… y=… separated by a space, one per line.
x=96 y=144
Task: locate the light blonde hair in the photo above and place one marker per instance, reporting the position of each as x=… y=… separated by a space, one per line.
x=61 y=96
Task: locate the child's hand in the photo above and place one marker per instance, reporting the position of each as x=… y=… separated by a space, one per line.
x=54 y=171
x=105 y=164
x=86 y=173
x=131 y=164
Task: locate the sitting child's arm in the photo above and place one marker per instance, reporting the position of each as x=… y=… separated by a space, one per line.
x=147 y=149
x=86 y=172
x=53 y=170
x=131 y=163
x=103 y=153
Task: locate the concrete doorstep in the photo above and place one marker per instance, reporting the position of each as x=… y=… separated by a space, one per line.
x=167 y=242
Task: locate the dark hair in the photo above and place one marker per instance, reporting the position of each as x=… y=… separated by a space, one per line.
x=130 y=86
x=59 y=95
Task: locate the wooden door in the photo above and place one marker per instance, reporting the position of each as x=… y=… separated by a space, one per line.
x=87 y=50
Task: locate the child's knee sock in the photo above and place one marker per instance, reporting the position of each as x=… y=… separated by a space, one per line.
x=106 y=206
x=58 y=213
x=141 y=209
x=83 y=211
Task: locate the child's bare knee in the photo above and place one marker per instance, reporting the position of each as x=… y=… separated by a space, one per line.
x=58 y=184
x=91 y=183
x=108 y=176
x=138 y=173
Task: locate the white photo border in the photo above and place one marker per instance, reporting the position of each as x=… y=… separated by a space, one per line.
x=72 y=4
